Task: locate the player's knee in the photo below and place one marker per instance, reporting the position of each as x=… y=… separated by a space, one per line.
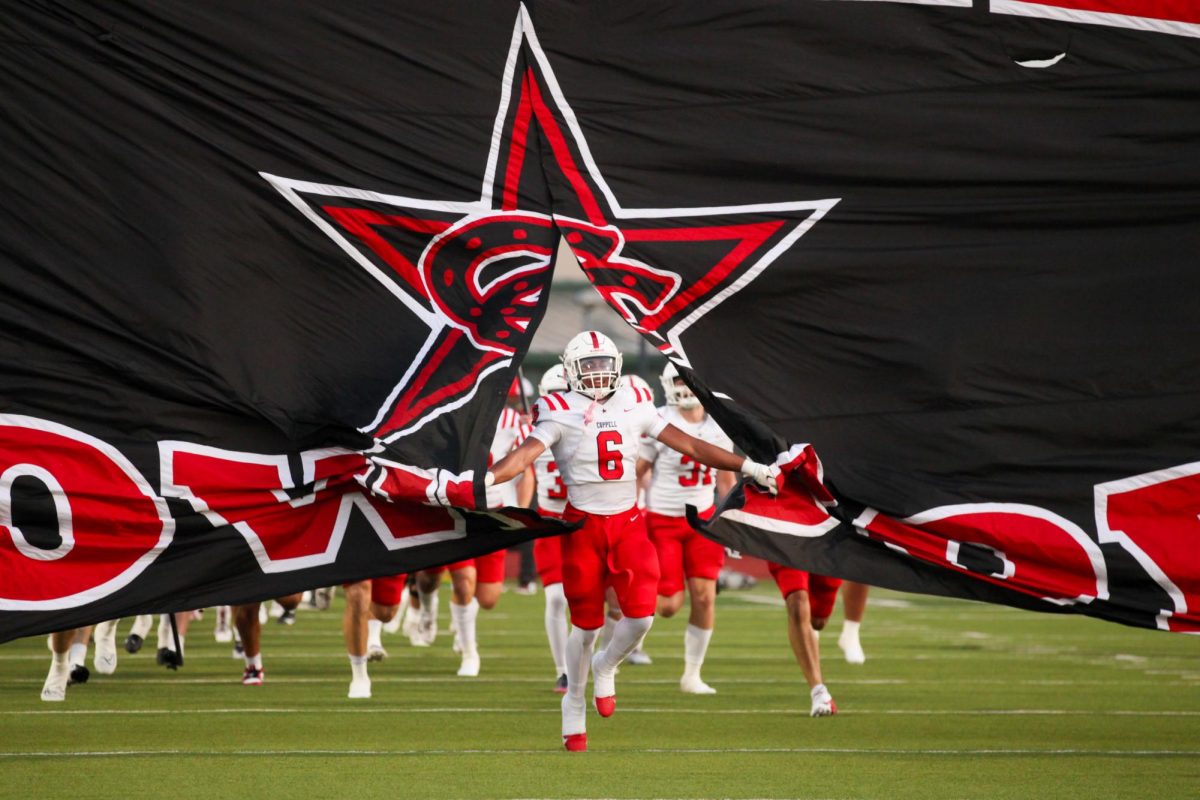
x=384 y=613
x=669 y=605
x=487 y=596
x=639 y=624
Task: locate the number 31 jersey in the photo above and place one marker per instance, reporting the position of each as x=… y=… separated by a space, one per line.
x=679 y=481
x=596 y=444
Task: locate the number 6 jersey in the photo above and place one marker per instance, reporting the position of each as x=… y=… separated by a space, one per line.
x=595 y=444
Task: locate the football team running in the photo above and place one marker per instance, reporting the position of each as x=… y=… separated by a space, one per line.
x=598 y=453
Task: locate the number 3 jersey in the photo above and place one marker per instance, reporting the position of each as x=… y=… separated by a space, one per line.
x=678 y=481
x=595 y=444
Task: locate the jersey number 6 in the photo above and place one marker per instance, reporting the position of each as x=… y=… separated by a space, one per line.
x=611 y=461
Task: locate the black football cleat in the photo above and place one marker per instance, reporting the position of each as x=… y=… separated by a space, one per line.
x=79 y=674
x=560 y=685
x=288 y=617
x=168 y=658
x=133 y=643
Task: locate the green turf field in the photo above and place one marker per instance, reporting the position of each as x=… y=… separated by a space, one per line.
x=956 y=700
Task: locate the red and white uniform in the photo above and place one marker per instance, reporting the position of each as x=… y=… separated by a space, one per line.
x=552 y=502
x=595 y=445
x=677 y=482
x=822 y=590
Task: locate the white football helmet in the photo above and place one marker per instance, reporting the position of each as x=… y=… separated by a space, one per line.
x=592 y=364
x=678 y=394
x=553 y=380
x=637 y=382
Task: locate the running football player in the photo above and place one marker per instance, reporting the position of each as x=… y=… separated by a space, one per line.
x=683 y=554
x=547 y=551
x=809 y=600
x=594 y=431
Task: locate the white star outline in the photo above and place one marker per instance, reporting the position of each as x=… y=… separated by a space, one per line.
x=524 y=33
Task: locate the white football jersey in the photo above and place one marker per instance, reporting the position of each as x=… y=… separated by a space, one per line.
x=677 y=480
x=595 y=445
x=509 y=434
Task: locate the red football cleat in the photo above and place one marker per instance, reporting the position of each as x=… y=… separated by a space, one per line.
x=605 y=706
x=575 y=742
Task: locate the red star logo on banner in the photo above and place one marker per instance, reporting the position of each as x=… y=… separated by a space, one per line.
x=477 y=272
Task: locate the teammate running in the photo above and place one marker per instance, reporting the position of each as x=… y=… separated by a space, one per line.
x=809 y=600
x=547 y=551
x=593 y=432
x=683 y=554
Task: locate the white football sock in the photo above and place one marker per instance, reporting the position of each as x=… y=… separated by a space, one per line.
x=358 y=668
x=627 y=634
x=464 y=619
x=142 y=624
x=77 y=654
x=579 y=658
x=695 y=646
x=606 y=633
x=254 y=661
x=374 y=633
x=429 y=604
x=557 y=626
x=163 y=634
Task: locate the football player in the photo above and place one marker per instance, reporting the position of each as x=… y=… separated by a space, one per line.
x=683 y=554
x=477 y=582
x=594 y=431
x=54 y=690
x=809 y=600
x=547 y=551
x=368 y=603
x=249 y=628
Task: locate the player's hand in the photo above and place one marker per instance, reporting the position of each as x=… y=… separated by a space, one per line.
x=489 y=479
x=761 y=474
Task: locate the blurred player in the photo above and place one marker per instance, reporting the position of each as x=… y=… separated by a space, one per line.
x=547 y=551
x=54 y=690
x=854 y=606
x=593 y=431
x=809 y=600
x=477 y=582
x=249 y=629
x=369 y=604
x=683 y=554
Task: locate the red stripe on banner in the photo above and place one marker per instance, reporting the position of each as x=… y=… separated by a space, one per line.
x=516 y=149
x=1172 y=10
x=362 y=222
x=562 y=154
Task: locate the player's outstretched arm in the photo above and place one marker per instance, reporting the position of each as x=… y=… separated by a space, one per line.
x=717 y=457
x=516 y=462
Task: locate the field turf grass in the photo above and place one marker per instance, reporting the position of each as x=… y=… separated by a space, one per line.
x=956 y=700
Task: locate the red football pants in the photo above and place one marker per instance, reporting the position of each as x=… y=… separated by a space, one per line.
x=608 y=550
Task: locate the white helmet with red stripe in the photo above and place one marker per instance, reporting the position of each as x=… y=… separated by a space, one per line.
x=553 y=380
x=638 y=383
x=592 y=364
x=678 y=392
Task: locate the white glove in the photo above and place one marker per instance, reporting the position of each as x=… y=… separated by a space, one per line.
x=489 y=478
x=760 y=474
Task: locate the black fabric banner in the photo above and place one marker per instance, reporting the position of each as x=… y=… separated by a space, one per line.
x=266 y=271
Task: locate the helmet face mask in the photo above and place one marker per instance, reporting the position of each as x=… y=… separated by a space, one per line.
x=592 y=365
x=678 y=393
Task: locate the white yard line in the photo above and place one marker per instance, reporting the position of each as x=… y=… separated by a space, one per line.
x=553 y=709
x=658 y=750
